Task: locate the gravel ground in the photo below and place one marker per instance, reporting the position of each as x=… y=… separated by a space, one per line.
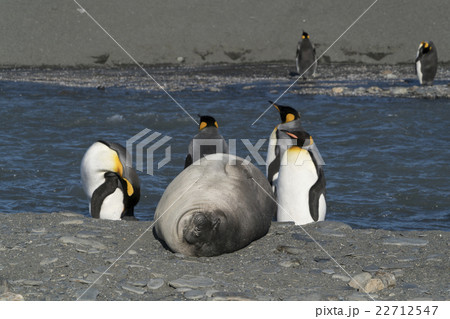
x=66 y=256
x=331 y=79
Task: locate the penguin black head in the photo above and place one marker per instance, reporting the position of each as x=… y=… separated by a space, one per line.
x=425 y=47
x=287 y=113
x=300 y=138
x=207 y=121
x=305 y=35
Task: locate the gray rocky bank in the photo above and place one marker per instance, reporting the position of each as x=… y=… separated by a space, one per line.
x=58 y=256
x=60 y=33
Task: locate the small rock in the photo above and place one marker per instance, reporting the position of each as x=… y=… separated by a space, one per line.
x=337 y=90
x=9 y=296
x=374 y=284
x=69 y=214
x=48 y=261
x=360 y=280
x=328 y=271
x=374 y=90
x=155 y=283
x=405 y=241
x=194 y=282
x=72 y=222
x=132 y=252
x=136 y=290
x=87 y=295
x=180 y=59
x=396 y=266
x=321 y=259
x=341 y=277
x=39 y=230
x=248 y=87
x=371 y=268
x=387 y=278
x=102 y=270
x=290 y=263
x=32 y=282
x=290 y=250
x=399 y=90
x=140 y=283
x=214 y=89
x=194 y=294
x=81 y=241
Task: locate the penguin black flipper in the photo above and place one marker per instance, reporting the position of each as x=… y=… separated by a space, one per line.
x=315 y=192
x=103 y=191
x=188 y=160
x=274 y=166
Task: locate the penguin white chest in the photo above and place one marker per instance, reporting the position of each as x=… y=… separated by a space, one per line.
x=112 y=206
x=295 y=180
x=419 y=71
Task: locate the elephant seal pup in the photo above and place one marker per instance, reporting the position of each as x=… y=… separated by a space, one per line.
x=217 y=205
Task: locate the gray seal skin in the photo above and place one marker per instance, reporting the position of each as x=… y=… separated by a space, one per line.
x=215 y=206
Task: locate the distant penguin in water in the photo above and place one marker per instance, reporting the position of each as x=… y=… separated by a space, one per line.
x=306 y=57
x=426 y=63
x=301 y=183
x=112 y=187
x=278 y=141
x=207 y=141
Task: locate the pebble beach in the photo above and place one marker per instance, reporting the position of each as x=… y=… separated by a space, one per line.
x=66 y=256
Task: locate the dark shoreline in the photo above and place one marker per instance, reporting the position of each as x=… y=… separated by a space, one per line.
x=58 y=256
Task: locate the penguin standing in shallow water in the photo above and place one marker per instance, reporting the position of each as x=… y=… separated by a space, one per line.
x=207 y=141
x=112 y=187
x=306 y=57
x=426 y=63
x=290 y=120
x=301 y=183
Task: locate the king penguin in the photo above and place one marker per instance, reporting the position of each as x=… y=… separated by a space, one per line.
x=306 y=57
x=426 y=63
x=113 y=189
x=301 y=183
x=207 y=141
x=290 y=120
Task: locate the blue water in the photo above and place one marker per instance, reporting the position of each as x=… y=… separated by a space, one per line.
x=386 y=158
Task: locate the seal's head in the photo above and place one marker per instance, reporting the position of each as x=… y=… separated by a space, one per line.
x=201 y=231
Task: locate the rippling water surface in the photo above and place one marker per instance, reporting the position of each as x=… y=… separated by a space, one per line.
x=386 y=159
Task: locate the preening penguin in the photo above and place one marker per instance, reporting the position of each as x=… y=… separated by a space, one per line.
x=301 y=183
x=306 y=57
x=207 y=141
x=426 y=63
x=112 y=187
x=290 y=120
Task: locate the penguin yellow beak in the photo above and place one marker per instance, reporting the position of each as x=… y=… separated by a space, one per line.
x=276 y=106
x=130 y=189
x=118 y=168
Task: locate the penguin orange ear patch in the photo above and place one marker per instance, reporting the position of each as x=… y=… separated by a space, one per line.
x=217 y=125
x=290 y=117
x=202 y=125
x=303 y=36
